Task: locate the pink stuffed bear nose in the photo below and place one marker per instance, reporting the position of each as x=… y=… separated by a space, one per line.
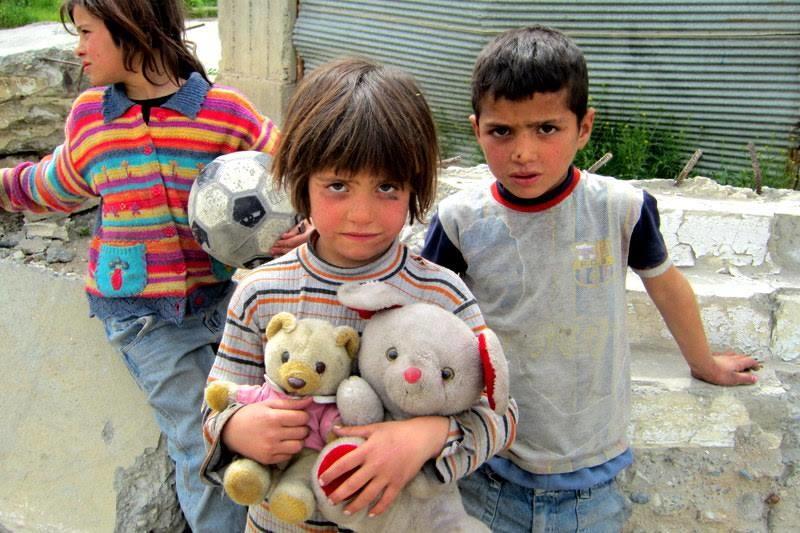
x=412 y=374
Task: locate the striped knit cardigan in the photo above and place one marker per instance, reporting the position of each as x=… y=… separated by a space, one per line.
x=142 y=173
x=303 y=284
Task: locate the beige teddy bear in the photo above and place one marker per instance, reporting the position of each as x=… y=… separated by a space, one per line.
x=306 y=357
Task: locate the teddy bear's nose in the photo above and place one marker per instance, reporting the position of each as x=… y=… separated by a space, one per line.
x=296 y=383
x=412 y=374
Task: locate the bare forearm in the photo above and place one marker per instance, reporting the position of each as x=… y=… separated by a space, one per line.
x=675 y=300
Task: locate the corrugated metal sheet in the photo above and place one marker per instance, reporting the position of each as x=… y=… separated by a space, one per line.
x=725 y=73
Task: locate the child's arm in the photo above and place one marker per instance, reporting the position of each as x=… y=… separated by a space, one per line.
x=53 y=184
x=675 y=300
x=396 y=451
x=268 y=432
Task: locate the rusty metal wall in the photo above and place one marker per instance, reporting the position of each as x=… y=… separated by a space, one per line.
x=723 y=72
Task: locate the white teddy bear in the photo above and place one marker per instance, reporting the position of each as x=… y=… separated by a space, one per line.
x=415 y=359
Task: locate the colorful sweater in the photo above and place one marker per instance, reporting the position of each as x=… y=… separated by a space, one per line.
x=306 y=286
x=142 y=252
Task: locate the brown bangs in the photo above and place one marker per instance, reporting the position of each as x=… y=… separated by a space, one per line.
x=354 y=116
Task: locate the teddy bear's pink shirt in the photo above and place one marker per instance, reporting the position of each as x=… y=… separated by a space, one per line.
x=322 y=416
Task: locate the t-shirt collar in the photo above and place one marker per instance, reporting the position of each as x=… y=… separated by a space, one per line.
x=187 y=100
x=541 y=203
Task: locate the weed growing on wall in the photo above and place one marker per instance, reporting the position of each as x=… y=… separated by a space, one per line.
x=775 y=170
x=644 y=148
x=641 y=149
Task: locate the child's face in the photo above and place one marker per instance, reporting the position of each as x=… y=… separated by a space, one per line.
x=101 y=58
x=530 y=144
x=357 y=217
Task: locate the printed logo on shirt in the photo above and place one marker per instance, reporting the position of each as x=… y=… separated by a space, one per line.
x=593 y=263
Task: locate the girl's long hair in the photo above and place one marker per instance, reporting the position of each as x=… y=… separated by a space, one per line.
x=148 y=31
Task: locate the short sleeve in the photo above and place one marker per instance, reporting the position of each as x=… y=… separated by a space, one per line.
x=647 y=248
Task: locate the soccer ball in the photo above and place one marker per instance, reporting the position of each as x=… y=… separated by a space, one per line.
x=235 y=212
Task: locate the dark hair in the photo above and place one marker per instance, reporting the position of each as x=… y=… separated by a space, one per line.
x=150 y=31
x=352 y=115
x=520 y=62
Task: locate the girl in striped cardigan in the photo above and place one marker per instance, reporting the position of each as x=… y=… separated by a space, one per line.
x=137 y=140
x=359 y=156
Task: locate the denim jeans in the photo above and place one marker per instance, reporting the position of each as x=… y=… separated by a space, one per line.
x=170 y=363
x=510 y=508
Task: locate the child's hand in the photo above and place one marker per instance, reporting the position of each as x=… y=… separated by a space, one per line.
x=729 y=368
x=292 y=238
x=269 y=432
x=392 y=455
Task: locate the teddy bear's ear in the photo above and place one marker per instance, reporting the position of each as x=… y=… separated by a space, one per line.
x=495 y=370
x=284 y=320
x=347 y=337
x=372 y=296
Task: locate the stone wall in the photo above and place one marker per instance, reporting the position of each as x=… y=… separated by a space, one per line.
x=39 y=78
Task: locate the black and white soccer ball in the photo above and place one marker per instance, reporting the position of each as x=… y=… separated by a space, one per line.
x=235 y=212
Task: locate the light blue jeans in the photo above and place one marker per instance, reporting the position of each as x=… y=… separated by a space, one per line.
x=507 y=507
x=170 y=364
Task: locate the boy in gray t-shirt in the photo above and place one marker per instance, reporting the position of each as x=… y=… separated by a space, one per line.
x=545 y=250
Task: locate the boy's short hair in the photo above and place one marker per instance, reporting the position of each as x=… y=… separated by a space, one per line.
x=523 y=61
x=353 y=115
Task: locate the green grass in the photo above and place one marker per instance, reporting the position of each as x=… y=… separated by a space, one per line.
x=201 y=8
x=14 y=13
x=640 y=149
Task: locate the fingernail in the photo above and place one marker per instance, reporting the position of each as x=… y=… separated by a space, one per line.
x=330 y=502
x=346 y=512
x=371 y=515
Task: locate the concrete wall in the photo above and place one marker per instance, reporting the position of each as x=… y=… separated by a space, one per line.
x=72 y=418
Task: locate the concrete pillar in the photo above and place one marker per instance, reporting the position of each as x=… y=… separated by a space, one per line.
x=258 y=57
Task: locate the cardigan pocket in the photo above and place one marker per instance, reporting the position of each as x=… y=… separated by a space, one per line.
x=121 y=270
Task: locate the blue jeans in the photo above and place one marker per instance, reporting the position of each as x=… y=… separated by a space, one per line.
x=507 y=507
x=170 y=364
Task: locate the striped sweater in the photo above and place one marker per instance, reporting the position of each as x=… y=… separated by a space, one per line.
x=306 y=286
x=142 y=249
